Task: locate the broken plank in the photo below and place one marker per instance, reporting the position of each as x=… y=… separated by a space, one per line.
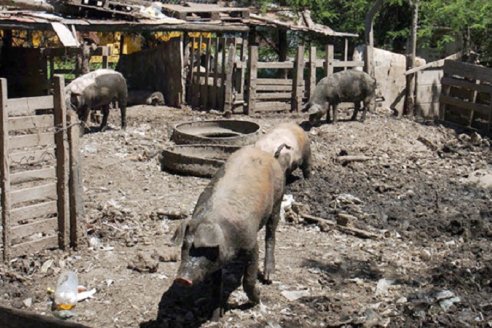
x=43 y=226
x=31 y=247
x=348 y=230
x=32 y=140
x=30 y=175
x=46 y=191
x=33 y=211
x=30 y=122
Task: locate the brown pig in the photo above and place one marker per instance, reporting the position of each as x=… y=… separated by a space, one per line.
x=297 y=147
x=243 y=196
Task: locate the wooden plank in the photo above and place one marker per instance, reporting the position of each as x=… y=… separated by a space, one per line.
x=44 y=226
x=274 y=87
x=229 y=75
x=243 y=67
x=274 y=95
x=32 y=140
x=75 y=186
x=61 y=161
x=32 y=157
x=467 y=70
x=274 y=81
x=195 y=100
x=252 y=79
x=28 y=106
x=466 y=84
x=329 y=59
x=30 y=122
x=13 y=318
x=311 y=84
x=273 y=106
x=40 y=210
x=347 y=64
x=42 y=192
x=31 y=247
x=345 y=53
x=213 y=93
x=435 y=64
x=204 y=89
x=191 y=82
x=298 y=74
x=274 y=65
x=5 y=170
x=30 y=175
x=448 y=100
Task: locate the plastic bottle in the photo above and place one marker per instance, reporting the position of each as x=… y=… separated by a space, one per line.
x=66 y=291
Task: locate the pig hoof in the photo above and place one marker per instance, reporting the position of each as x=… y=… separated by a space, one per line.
x=103 y=128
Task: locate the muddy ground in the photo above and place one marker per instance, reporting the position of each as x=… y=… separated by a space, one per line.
x=414 y=189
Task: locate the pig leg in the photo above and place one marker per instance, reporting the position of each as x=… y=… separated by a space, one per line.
x=250 y=274
x=335 y=113
x=306 y=163
x=217 y=295
x=367 y=104
x=104 y=123
x=271 y=227
x=328 y=108
x=84 y=117
x=122 y=104
x=356 y=111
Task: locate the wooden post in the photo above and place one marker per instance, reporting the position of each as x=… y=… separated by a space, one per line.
x=205 y=88
x=5 y=170
x=312 y=71
x=195 y=101
x=213 y=93
x=223 y=41
x=191 y=85
x=345 y=53
x=75 y=189
x=489 y=126
x=369 y=36
x=297 y=79
x=229 y=72
x=409 y=108
x=251 y=82
x=329 y=58
x=61 y=160
x=105 y=55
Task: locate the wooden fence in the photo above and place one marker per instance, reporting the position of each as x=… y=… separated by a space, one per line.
x=216 y=78
x=466 y=97
x=40 y=181
x=284 y=94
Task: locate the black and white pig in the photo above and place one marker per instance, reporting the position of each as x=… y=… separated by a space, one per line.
x=297 y=147
x=243 y=196
x=345 y=86
x=96 y=90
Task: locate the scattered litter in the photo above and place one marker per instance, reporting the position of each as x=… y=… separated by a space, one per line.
x=89 y=149
x=348 y=199
x=27 y=302
x=383 y=285
x=286 y=205
x=293 y=295
x=66 y=291
x=46 y=265
x=85 y=294
x=447 y=303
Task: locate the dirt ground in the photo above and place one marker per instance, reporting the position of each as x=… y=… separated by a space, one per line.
x=415 y=189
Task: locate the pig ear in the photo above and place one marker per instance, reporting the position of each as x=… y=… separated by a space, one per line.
x=208 y=235
x=178 y=236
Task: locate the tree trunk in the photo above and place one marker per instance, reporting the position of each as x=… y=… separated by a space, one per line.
x=409 y=108
x=369 y=36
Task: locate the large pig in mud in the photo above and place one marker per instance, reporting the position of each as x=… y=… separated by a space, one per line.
x=95 y=90
x=296 y=144
x=345 y=86
x=244 y=195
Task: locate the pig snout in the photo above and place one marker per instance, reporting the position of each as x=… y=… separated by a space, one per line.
x=184 y=281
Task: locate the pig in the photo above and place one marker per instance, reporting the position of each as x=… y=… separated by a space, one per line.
x=95 y=90
x=243 y=196
x=144 y=97
x=296 y=143
x=345 y=86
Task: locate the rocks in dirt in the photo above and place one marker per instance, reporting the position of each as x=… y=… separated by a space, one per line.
x=143 y=262
x=293 y=295
x=166 y=255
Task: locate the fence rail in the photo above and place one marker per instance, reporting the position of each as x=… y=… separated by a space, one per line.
x=466 y=97
x=287 y=93
x=35 y=173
